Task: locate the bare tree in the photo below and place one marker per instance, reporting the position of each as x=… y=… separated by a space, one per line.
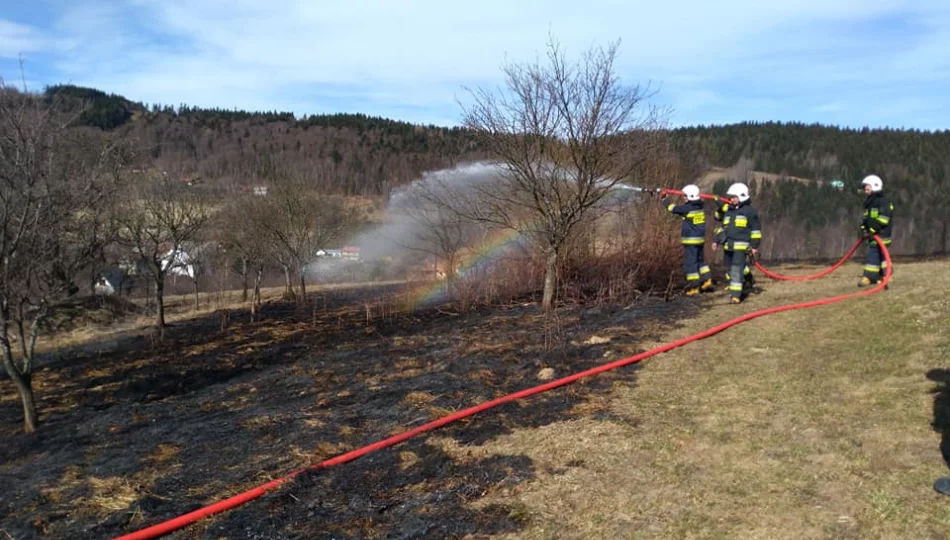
x=194 y=261
x=301 y=223
x=243 y=232
x=565 y=135
x=156 y=220
x=54 y=181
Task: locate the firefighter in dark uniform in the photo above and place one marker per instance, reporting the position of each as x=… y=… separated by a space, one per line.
x=720 y=214
x=740 y=236
x=693 y=238
x=878 y=215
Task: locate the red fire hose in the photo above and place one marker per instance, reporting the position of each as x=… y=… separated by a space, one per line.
x=823 y=273
x=707 y=196
x=766 y=271
x=251 y=494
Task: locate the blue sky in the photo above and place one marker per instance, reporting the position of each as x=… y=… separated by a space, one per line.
x=842 y=62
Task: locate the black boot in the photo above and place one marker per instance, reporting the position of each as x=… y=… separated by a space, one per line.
x=748 y=284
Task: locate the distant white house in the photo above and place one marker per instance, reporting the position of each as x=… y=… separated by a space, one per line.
x=112 y=281
x=178 y=263
x=349 y=253
x=260 y=191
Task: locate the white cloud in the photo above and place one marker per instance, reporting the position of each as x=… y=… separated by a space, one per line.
x=20 y=39
x=415 y=55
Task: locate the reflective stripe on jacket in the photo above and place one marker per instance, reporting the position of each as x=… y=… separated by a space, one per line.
x=878 y=216
x=741 y=229
x=693 y=230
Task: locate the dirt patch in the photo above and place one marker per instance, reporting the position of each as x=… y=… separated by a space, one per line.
x=153 y=430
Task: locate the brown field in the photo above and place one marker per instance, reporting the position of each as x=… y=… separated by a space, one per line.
x=818 y=423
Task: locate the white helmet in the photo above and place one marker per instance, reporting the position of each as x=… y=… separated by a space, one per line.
x=739 y=190
x=874 y=181
x=692 y=192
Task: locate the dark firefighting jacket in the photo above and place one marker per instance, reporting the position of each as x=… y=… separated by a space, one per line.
x=740 y=229
x=878 y=213
x=693 y=231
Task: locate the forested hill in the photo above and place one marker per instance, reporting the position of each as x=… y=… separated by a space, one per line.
x=220 y=142
x=812 y=218
x=356 y=154
x=821 y=152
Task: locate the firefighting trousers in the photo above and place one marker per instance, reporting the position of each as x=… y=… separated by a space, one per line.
x=694 y=265
x=875 y=266
x=738 y=272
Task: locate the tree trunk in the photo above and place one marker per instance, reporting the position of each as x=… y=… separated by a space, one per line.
x=288 y=284
x=303 y=287
x=244 y=279
x=450 y=288
x=28 y=339
x=160 y=305
x=23 y=382
x=550 y=280
x=256 y=300
x=197 y=305
x=21 y=337
x=149 y=296
x=24 y=387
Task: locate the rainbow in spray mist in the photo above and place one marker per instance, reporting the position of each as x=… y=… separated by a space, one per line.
x=486 y=253
x=497 y=244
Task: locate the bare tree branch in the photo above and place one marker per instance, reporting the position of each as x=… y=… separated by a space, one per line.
x=155 y=220
x=54 y=183
x=564 y=135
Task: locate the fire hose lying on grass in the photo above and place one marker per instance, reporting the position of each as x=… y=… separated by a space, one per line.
x=251 y=494
x=767 y=272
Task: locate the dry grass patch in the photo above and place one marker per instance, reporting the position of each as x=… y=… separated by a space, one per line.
x=480 y=346
x=418 y=399
x=407 y=460
x=486 y=376
x=326 y=450
x=407 y=363
x=110 y=494
x=262 y=420
x=163 y=453
x=100 y=497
